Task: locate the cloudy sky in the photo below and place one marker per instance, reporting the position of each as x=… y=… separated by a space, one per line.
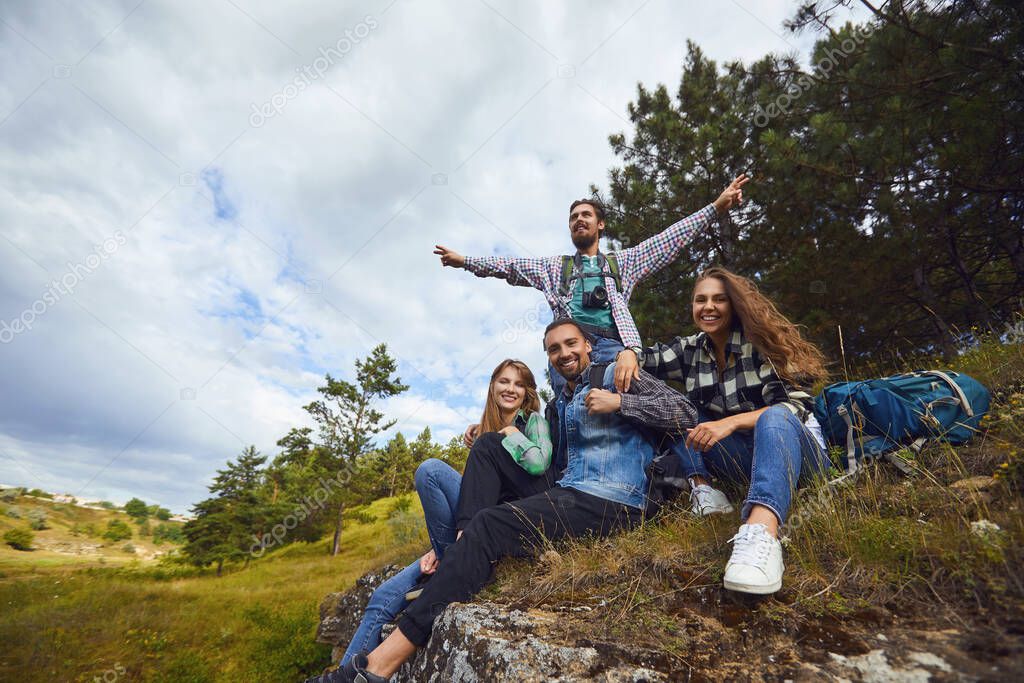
x=206 y=206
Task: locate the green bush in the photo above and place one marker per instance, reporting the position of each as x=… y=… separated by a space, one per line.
x=39 y=493
x=128 y=548
x=402 y=505
x=13 y=512
x=168 y=532
x=19 y=539
x=117 y=531
x=87 y=529
x=37 y=519
x=8 y=495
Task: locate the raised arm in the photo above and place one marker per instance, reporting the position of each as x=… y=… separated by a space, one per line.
x=658 y=251
x=531 y=450
x=521 y=272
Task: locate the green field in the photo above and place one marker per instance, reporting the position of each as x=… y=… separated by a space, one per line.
x=72 y=619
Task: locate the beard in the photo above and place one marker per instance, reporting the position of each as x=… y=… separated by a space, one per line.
x=584 y=240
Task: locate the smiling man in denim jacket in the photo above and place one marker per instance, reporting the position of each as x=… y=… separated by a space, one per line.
x=603 y=449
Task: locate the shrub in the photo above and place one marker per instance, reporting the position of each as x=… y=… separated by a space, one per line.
x=39 y=493
x=13 y=512
x=363 y=517
x=168 y=532
x=136 y=508
x=128 y=548
x=37 y=519
x=8 y=495
x=87 y=529
x=402 y=505
x=117 y=531
x=19 y=539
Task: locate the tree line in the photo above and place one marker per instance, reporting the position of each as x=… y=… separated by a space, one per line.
x=887 y=196
x=317 y=477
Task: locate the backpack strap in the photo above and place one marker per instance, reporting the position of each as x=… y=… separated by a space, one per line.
x=571 y=264
x=957 y=391
x=613 y=268
x=568 y=265
x=597 y=375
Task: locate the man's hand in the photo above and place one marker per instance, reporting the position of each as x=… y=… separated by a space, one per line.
x=449 y=257
x=602 y=401
x=428 y=563
x=508 y=430
x=732 y=195
x=469 y=436
x=707 y=434
x=626 y=370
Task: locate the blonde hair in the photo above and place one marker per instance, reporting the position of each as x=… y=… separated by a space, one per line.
x=794 y=358
x=491 y=420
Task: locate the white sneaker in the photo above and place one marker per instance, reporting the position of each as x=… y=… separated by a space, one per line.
x=705 y=500
x=756 y=562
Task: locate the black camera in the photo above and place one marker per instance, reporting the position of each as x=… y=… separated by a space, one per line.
x=596 y=298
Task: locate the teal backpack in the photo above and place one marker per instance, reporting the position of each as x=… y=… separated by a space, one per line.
x=875 y=418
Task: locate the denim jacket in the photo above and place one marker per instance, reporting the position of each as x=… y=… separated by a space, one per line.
x=606 y=455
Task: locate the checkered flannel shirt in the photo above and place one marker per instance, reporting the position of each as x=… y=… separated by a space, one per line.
x=635 y=263
x=747 y=384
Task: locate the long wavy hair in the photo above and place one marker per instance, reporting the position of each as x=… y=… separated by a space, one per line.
x=794 y=358
x=491 y=420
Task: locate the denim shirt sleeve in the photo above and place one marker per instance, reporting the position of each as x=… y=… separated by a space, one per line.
x=531 y=450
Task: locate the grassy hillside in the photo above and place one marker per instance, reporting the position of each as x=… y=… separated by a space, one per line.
x=74 y=538
x=180 y=625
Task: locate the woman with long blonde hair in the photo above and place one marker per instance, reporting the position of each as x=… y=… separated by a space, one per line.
x=748 y=370
x=510 y=459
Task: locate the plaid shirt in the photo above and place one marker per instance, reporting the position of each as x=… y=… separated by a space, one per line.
x=748 y=383
x=635 y=263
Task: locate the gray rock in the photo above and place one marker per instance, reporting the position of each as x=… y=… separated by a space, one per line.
x=489 y=642
x=340 y=612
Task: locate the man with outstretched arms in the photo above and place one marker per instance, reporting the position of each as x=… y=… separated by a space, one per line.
x=592 y=287
x=602 y=450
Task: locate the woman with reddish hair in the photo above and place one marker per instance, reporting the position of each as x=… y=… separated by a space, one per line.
x=748 y=371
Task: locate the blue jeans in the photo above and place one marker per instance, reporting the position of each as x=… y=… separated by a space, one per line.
x=775 y=457
x=438 y=487
x=603 y=350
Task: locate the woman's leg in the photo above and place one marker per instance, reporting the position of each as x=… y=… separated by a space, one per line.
x=781 y=453
x=785 y=455
x=384 y=606
x=437 y=484
x=493 y=477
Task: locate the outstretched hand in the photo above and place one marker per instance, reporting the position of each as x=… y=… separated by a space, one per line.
x=732 y=195
x=449 y=257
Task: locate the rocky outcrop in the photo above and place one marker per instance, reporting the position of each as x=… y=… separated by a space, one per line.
x=340 y=612
x=489 y=642
x=486 y=642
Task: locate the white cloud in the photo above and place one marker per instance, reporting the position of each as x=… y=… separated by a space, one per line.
x=328 y=211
